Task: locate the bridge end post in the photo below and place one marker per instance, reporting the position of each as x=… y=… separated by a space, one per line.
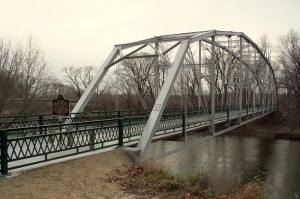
x=161 y=101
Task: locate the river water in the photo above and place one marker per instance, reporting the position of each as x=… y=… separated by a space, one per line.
x=235 y=159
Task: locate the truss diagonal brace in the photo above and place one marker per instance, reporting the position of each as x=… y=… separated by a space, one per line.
x=87 y=95
x=159 y=53
x=161 y=101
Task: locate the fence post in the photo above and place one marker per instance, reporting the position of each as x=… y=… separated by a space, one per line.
x=121 y=133
x=4 y=161
x=228 y=117
x=183 y=124
x=71 y=139
x=41 y=123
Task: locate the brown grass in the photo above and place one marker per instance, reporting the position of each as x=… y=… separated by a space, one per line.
x=251 y=190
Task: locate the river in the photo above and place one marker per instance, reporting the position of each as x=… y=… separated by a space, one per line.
x=235 y=159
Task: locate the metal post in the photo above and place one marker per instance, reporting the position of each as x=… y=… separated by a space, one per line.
x=199 y=79
x=247 y=81
x=223 y=82
x=71 y=139
x=213 y=87
x=156 y=79
x=182 y=89
x=241 y=82
x=161 y=101
x=254 y=88
x=183 y=123
x=89 y=92
x=229 y=81
x=4 y=155
x=253 y=99
x=116 y=87
x=273 y=100
x=185 y=92
x=41 y=123
x=228 y=117
x=121 y=133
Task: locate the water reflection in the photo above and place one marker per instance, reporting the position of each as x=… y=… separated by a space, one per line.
x=232 y=160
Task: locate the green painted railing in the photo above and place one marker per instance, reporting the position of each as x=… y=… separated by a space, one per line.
x=30 y=145
x=42 y=119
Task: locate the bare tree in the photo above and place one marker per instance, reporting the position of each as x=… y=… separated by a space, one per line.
x=24 y=73
x=78 y=78
x=265 y=45
x=289 y=59
x=87 y=75
x=73 y=80
x=9 y=67
x=34 y=74
x=138 y=74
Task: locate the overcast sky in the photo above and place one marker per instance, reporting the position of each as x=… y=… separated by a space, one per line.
x=83 y=32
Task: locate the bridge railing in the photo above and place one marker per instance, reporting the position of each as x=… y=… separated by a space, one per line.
x=36 y=144
x=20 y=121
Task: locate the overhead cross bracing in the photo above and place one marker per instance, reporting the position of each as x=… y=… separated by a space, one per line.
x=207 y=68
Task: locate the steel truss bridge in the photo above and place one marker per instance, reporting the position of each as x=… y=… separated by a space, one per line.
x=233 y=83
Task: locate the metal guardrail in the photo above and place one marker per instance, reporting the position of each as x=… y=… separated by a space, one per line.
x=19 y=121
x=30 y=145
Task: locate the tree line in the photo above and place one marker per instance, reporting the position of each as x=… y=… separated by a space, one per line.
x=24 y=74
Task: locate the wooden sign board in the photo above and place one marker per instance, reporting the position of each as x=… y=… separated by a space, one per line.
x=61 y=106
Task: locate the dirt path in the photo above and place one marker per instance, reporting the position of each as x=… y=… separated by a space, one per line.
x=79 y=178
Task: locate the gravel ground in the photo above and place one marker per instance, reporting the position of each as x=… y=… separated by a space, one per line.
x=78 y=178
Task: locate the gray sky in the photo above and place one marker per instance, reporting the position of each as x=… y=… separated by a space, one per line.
x=83 y=32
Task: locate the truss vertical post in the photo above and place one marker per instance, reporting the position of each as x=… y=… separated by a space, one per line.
x=263 y=94
x=254 y=86
x=273 y=99
x=199 y=78
x=161 y=101
x=156 y=81
x=182 y=88
x=253 y=99
x=213 y=86
x=116 y=88
x=241 y=81
x=87 y=95
x=247 y=81
x=223 y=80
x=185 y=89
x=229 y=96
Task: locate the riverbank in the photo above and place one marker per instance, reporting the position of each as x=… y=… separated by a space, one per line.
x=110 y=175
x=273 y=125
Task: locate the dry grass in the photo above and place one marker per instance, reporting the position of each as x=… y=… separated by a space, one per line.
x=152 y=181
x=251 y=190
x=155 y=181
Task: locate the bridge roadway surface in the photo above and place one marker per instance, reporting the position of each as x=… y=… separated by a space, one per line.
x=33 y=151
